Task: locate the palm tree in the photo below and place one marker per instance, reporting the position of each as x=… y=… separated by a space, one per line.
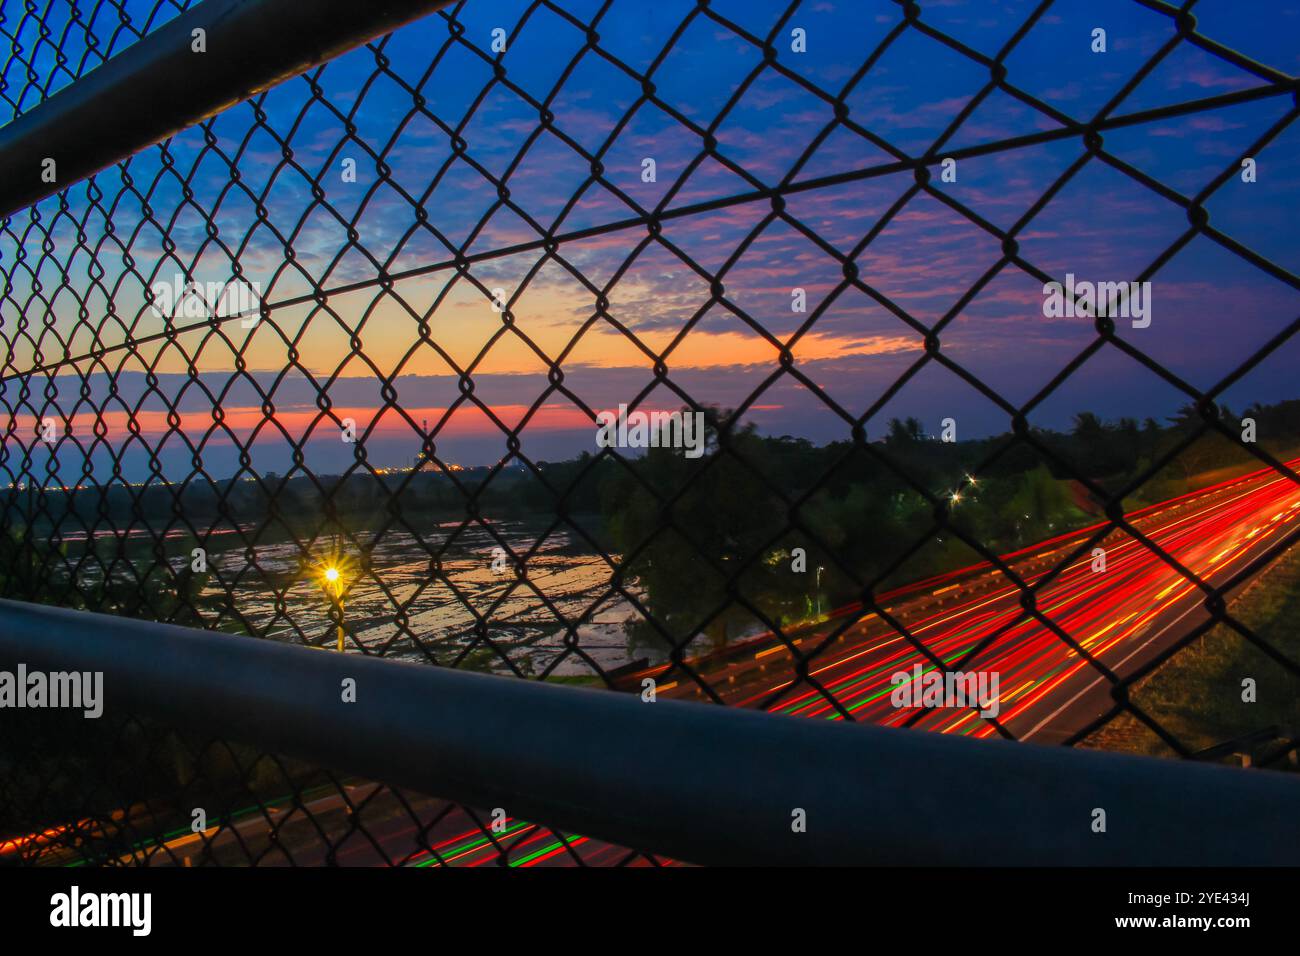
x=907 y=431
x=1088 y=427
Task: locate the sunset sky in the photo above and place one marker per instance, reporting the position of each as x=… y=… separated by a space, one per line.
x=1212 y=309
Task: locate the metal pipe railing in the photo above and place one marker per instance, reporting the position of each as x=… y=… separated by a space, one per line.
x=159 y=85
x=698 y=782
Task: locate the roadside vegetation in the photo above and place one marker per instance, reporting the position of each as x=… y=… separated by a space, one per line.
x=1197 y=696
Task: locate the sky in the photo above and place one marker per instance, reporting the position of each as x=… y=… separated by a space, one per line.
x=452 y=163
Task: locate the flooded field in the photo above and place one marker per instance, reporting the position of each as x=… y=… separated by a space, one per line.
x=476 y=614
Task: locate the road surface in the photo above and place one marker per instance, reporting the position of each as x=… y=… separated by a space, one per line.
x=1121 y=616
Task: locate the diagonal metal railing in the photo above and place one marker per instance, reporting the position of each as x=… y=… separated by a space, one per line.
x=693 y=781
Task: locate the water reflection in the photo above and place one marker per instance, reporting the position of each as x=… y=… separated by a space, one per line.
x=398 y=606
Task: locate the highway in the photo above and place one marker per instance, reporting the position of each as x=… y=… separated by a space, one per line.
x=366 y=825
x=1047 y=692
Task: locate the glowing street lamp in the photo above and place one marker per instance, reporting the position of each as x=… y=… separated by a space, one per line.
x=332 y=582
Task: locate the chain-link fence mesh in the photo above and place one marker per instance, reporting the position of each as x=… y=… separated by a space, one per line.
x=467 y=240
x=133 y=792
x=50 y=45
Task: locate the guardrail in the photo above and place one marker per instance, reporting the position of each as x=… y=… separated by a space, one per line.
x=698 y=782
x=164 y=86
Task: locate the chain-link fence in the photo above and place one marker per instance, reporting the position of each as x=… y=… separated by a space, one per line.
x=358 y=364
x=134 y=792
x=51 y=45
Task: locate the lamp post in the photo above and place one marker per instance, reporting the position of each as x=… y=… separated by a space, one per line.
x=334 y=586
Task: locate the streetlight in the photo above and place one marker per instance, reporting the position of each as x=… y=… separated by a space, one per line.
x=333 y=584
